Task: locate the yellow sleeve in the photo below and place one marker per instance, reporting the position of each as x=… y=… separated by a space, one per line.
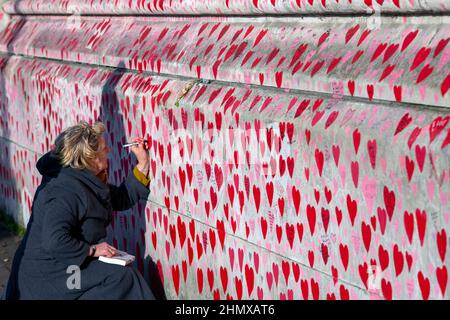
x=141 y=177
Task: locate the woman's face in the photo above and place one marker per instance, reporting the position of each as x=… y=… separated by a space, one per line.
x=100 y=163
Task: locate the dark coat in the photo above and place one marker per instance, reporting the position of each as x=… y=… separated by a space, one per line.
x=71 y=211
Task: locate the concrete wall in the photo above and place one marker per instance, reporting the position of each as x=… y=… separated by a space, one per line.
x=293 y=157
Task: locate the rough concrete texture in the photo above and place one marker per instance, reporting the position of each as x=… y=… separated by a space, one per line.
x=292 y=157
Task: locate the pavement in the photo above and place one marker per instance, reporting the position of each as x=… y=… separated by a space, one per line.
x=8 y=246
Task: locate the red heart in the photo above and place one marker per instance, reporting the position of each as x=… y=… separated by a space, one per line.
x=219 y=176
x=437 y=126
x=357 y=56
x=445 y=85
x=398 y=93
x=403 y=123
x=279 y=231
x=300 y=231
x=249 y=279
x=238 y=287
x=331 y=118
x=311 y=214
x=421 y=220
x=441 y=240
x=286 y=269
x=181 y=231
x=200 y=280
x=230 y=190
x=282 y=165
x=351 y=87
x=350 y=33
x=315 y=289
x=317 y=67
x=409 y=163
x=199 y=247
x=221 y=231
x=378 y=51
x=336 y=153
x=420 y=156
x=154 y=239
x=424 y=73
x=440 y=46
x=373 y=222
x=338 y=213
x=308 y=136
x=192 y=229
x=281 y=206
x=383 y=257
x=424 y=284
x=311 y=258
x=408 y=219
x=331 y=296
x=408 y=39
x=355 y=172
x=398 y=261
x=295 y=271
x=334 y=273
x=333 y=64
x=328 y=195
x=386 y=72
x=256 y=197
x=290 y=165
x=352 y=209
x=176 y=278
x=344 y=293
x=363 y=273
x=386 y=288
x=390 y=51
x=442 y=278
x=382 y=219
x=279 y=78
x=409 y=260
x=366 y=235
x=389 y=201
x=296 y=198
x=421 y=55
x=173 y=234
x=212 y=239
x=269 y=191
x=224 y=278
x=290 y=233
x=325 y=254
x=317 y=195
x=363 y=36
x=264 y=227
x=356 y=140
x=325 y=218
x=372 y=151
x=343 y=250
x=305 y=289
x=318 y=155
x=184 y=269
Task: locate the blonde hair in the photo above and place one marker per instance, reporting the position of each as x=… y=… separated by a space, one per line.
x=78 y=145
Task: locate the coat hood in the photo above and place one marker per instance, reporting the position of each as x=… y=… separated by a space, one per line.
x=48 y=165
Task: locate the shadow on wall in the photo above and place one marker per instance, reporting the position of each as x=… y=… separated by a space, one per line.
x=10 y=192
x=116 y=137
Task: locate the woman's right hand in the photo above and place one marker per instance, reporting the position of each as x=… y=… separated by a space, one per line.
x=105 y=250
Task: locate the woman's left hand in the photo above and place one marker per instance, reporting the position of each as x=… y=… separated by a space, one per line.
x=142 y=155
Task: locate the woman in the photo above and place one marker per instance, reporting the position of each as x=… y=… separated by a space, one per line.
x=71 y=210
